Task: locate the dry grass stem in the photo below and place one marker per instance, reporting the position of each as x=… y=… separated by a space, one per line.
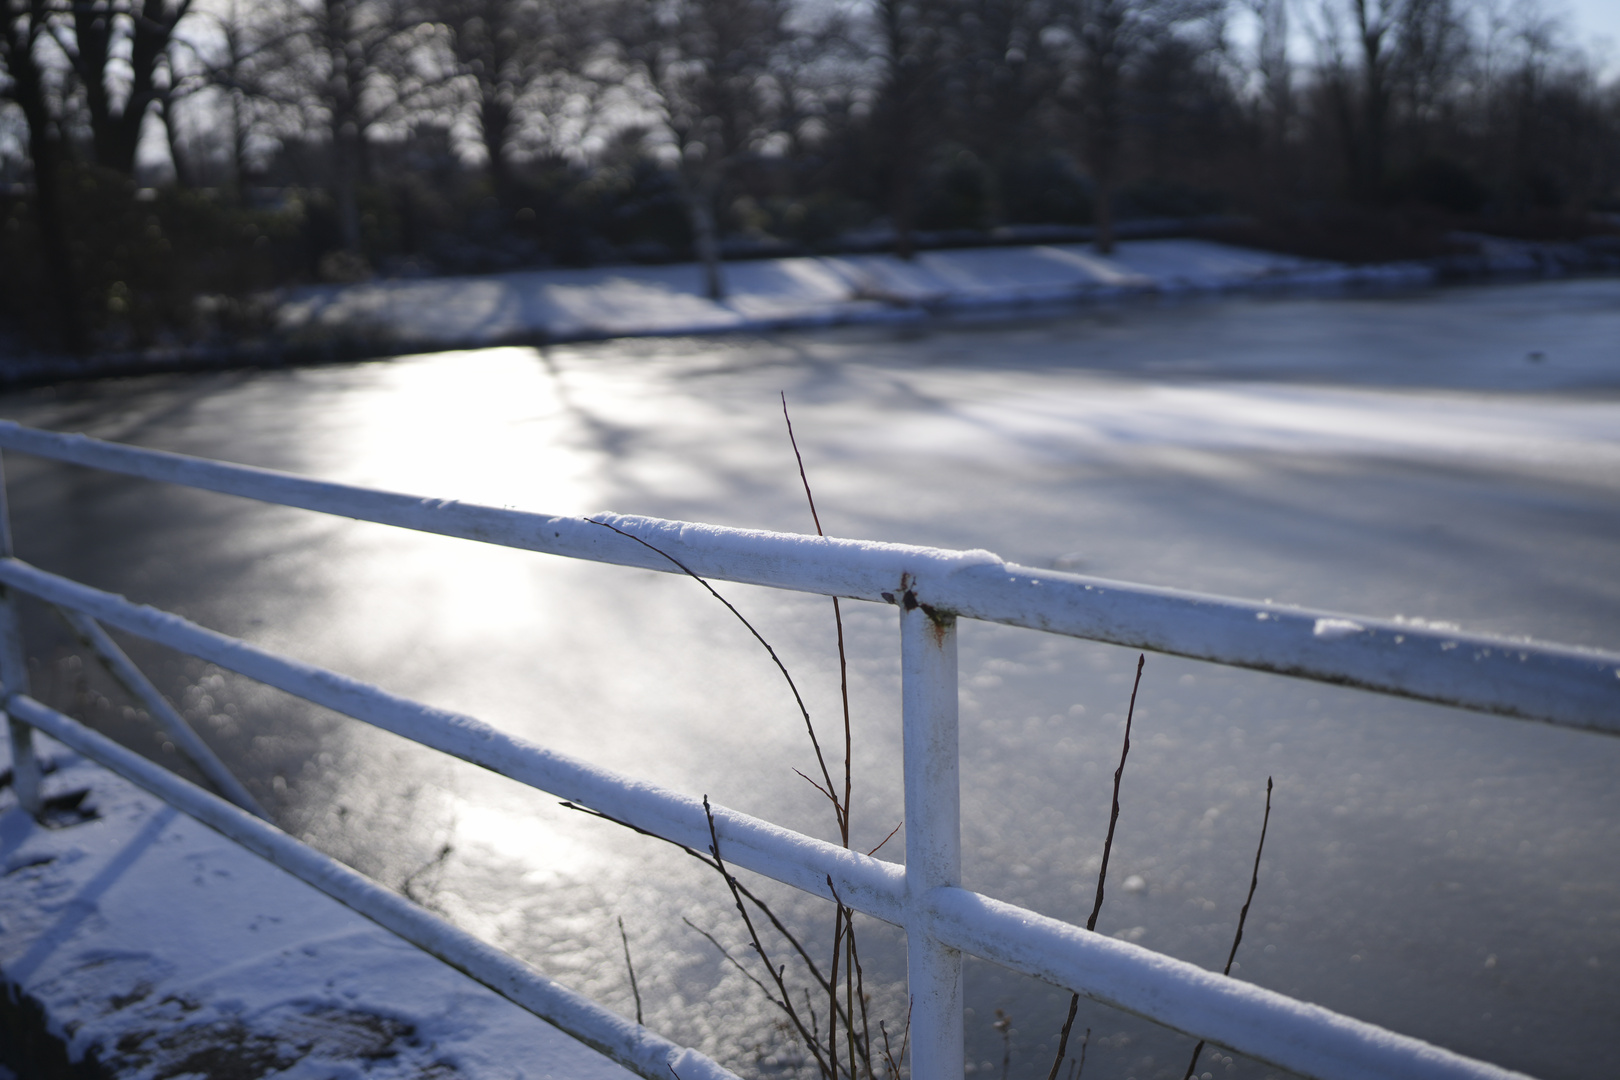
x=843 y=995
x=1243 y=916
x=635 y=991
x=725 y=952
x=1080 y=1066
x=1102 y=872
x=1003 y=1024
x=748 y=894
x=810 y=1040
x=854 y=992
x=895 y=1063
x=886 y=839
x=797 y=697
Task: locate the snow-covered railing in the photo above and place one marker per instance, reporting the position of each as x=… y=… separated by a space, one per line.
x=931 y=589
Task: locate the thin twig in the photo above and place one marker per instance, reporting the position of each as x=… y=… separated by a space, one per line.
x=857 y=992
x=886 y=839
x=843 y=690
x=1102 y=872
x=860 y=996
x=1113 y=814
x=838 y=620
x=800 y=459
x=888 y=1052
x=905 y=1036
x=749 y=894
x=819 y=789
x=759 y=946
x=634 y=990
x=843 y=920
x=725 y=952
x=852 y=994
x=832 y=989
x=797 y=697
x=1003 y=1024
x=1243 y=916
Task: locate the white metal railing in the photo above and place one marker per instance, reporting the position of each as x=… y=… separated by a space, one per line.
x=931 y=589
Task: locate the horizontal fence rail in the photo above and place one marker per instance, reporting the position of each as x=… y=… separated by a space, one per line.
x=1532 y=680
x=932 y=588
x=1259 y=1023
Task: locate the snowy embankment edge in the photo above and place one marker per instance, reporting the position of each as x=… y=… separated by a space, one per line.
x=136 y=936
x=362 y=339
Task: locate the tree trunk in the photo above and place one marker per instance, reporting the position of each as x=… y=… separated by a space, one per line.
x=346 y=186
x=901 y=91
x=115 y=136
x=1104 y=41
x=239 y=138
x=171 y=133
x=706 y=240
x=53 y=236
x=699 y=196
x=28 y=91
x=1103 y=210
x=92 y=49
x=495 y=123
x=903 y=209
x=1371 y=33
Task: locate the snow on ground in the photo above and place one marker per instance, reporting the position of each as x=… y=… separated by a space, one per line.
x=164 y=949
x=636 y=300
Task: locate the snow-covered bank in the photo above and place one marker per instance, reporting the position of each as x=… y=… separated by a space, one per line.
x=326 y=323
x=571 y=305
x=155 y=947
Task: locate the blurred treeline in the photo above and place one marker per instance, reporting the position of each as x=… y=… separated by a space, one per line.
x=162 y=162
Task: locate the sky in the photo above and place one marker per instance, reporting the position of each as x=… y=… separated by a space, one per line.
x=1596 y=26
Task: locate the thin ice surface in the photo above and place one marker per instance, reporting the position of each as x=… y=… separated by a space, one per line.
x=1447 y=874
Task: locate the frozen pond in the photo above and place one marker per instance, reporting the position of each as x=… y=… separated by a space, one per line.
x=1449 y=456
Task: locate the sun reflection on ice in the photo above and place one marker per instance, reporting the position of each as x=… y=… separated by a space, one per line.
x=485 y=426
x=511 y=835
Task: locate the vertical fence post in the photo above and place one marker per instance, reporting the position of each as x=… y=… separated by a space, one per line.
x=933 y=834
x=25 y=774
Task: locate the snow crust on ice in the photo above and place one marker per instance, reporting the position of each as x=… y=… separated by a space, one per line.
x=163 y=948
x=805 y=291
x=1048 y=426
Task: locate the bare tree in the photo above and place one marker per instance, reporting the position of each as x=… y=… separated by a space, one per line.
x=705 y=69
x=1358 y=74
x=907 y=118
x=24 y=82
x=1000 y=79
x=1276 y=77
x=109 y=42
x=242 y=67
x=1104 y=35
x=344 y=67
x=517 y=62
